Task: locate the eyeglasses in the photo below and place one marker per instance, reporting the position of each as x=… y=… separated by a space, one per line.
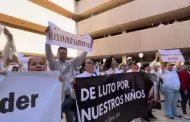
x=62 y=53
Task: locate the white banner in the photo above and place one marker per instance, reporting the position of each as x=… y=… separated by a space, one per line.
x=62 y=38
x=171 y=55
x=30 y=97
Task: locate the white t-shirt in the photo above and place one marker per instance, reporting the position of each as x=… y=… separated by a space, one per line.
x=111 y=71
x=131 y=70
x=170 y=78
x=86 y=74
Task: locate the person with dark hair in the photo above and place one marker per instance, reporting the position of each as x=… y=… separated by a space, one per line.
x=88 y=67
x=15 y=68
x=135 y=68
x=67 y=69
x=155 y=79
x=184 y=78
x=81 y=70
x=110 y=66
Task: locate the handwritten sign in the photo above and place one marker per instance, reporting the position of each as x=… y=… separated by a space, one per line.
x=171 y=55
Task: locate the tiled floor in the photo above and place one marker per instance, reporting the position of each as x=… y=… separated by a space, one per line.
x=161 y=117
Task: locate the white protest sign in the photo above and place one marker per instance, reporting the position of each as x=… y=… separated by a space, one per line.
x=24 y=62
x=62 y=38
x=30 y=97
x=171 y=55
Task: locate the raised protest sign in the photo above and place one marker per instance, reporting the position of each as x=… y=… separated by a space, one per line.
x=117 y=98
x=171 y=55
x=30 y=97
x=62 y=38
x=24 y=62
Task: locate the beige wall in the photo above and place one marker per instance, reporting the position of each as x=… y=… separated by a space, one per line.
x=130 y=12
x=163 y=37
x=85 y=5
x=66 y=4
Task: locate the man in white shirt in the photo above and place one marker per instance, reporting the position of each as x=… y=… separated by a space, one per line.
x=133 y=66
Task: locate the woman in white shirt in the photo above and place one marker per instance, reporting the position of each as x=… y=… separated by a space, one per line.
x=88 y=66
x=110 y=66
x=171 y=86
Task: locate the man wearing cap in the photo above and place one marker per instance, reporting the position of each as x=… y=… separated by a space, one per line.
x=132 y=65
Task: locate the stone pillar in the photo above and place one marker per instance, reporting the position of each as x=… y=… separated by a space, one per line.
x=124 y=59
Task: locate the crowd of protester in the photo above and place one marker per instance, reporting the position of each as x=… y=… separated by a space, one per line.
x=171 y=80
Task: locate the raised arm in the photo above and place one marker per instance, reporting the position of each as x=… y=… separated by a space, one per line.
x=162 y=66
x=178 y=64
x=8 y=46
x=153 y=64
x=49 y=54
x=79 y=59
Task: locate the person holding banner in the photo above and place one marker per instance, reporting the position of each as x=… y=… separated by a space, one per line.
x=38 y=63
x=171 y=86
x=134 y=68
x=67 y=69
x=132 y=65
x=88 y=66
